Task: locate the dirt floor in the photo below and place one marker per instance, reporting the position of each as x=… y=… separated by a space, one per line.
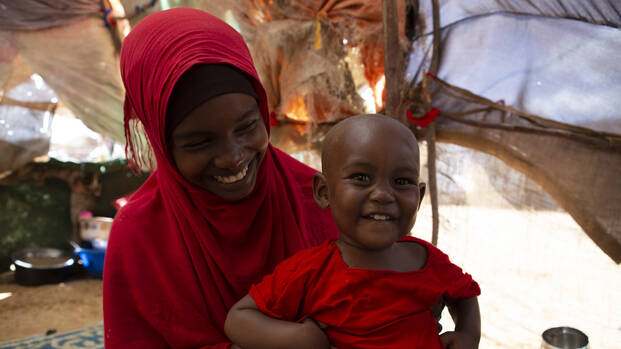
x=34 y=310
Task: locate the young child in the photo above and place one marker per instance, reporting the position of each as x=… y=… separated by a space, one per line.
x=374 y=286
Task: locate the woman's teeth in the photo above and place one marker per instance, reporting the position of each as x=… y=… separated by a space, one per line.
x=234 y=178
x=379 y=217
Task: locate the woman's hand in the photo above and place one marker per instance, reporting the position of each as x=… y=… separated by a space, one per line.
x=312 y=335
x=458 y=340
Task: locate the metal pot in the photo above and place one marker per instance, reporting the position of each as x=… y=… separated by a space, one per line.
x=564 y=338
x=37 y=266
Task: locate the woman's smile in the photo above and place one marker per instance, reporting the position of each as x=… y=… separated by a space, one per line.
x=234 y=178
x=242 y=181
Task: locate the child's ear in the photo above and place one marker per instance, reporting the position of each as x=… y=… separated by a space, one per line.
x=422 y=187
x=320 y=190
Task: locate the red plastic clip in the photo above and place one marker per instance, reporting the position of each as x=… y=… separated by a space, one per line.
x=426 y=119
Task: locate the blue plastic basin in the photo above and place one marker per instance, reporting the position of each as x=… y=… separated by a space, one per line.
x=92 y=259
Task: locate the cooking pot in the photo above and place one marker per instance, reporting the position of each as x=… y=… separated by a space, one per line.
x=37 y=266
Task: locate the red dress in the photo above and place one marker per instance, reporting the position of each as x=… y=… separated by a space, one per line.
x=363 y=308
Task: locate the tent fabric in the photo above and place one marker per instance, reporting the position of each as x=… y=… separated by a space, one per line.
x=578 y=174
x=41 y=14
x=338 y=42
x=562 y=71
x=555 y=60
x=604 y=12
x=84 y=75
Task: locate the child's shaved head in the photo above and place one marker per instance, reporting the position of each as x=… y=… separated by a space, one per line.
x=365 y=126
x=370 y=180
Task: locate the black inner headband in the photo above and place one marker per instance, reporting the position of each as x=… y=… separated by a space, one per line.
x=201 y=83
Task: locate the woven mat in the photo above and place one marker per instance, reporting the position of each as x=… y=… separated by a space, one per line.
x=90 y=337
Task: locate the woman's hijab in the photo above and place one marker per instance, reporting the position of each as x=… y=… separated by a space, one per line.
x=179 y=256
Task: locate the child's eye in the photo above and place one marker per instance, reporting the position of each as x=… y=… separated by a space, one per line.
x=360 y=177
x=403 y=181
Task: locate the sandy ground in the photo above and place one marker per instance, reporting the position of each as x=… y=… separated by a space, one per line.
x=537 y=270
x=35 y=310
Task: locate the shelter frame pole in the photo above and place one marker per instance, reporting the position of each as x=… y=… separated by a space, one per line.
x=431 y=130
x=393 y=59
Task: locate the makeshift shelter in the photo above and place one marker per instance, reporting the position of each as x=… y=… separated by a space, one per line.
x=519 y=80
x=536 y=84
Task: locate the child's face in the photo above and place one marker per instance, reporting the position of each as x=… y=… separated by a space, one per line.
x=372 y=183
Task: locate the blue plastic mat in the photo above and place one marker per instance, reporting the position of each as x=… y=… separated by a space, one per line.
x=90 y=337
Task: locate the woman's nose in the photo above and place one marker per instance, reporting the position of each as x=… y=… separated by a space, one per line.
x=231 y=156
x=382 y=193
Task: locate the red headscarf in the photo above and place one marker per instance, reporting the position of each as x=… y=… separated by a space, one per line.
x=178 y=256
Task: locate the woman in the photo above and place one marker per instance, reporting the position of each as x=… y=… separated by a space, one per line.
x=222 y=208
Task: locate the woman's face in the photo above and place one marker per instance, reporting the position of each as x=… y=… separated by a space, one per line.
x=220 y=145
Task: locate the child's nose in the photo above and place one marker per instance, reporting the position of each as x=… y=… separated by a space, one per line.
x=382 y=193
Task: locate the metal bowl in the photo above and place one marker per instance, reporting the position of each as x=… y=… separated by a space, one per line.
x=37 y=266
x=565 y=338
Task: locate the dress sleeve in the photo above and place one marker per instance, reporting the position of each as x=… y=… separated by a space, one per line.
x=281 y=293
x=459 y=285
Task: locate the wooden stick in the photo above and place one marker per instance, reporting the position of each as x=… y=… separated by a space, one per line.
x=431 y=131
x=392 y=59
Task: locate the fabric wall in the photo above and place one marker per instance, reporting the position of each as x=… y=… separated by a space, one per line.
x=538 y=86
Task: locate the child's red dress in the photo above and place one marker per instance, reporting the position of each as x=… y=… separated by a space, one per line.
x=363 y=308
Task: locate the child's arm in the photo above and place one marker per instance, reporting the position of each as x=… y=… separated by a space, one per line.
x=249 y=328
x=465 y=313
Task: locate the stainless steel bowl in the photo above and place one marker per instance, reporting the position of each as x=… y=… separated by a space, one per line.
x=564 y=338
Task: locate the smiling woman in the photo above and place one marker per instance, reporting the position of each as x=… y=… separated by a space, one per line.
x=220 y=144
x=223 y=206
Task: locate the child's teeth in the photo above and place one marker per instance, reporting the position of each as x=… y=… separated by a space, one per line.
x=380 y=217
x=234 y=178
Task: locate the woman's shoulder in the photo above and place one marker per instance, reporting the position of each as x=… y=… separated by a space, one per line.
x=143 y=213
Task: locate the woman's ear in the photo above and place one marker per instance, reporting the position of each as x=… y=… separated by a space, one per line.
x=320 y=190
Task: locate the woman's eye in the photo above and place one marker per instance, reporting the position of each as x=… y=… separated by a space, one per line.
x=197 y=144
x=247 y=127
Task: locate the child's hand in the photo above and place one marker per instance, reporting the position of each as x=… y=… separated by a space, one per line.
x=458 y=340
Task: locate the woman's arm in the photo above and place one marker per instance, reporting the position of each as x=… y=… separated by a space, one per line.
x=249 y=328
x=465 y=313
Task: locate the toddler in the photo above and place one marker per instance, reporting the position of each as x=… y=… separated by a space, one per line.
x=374 y=286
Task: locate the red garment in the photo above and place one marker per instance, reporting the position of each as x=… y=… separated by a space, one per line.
x=364 y=308
x=178 y=256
